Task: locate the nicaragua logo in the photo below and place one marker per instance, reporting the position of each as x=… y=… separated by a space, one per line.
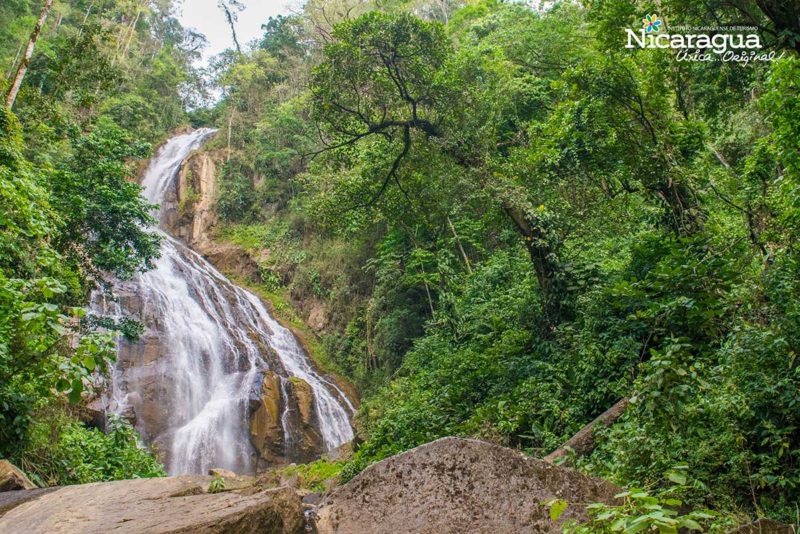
x=651 y=23
x=724 y=43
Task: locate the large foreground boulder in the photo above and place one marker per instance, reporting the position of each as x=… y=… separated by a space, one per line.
x=157 y=505
x=458 y=485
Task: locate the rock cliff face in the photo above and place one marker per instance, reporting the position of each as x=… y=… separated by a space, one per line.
x=190 y=216
x=265 y=423
x=190 y=209
x=283 y=424
x=306 y=438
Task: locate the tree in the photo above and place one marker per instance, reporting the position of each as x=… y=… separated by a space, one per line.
x=105 y=219
x=607 y=128
x=26 y=57
x=282 y=36
x=392 y=77
x=230 y=8
x=41 y=349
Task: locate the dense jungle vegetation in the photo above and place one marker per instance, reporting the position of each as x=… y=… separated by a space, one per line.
x=510 y=222
x=106 y=80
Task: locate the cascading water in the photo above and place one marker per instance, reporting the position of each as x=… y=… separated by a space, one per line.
x=214 y=342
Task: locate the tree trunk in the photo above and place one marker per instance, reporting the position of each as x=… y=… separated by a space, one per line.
x=543 y=259
x=685 y=216
x=58 y=24
x=7 y=75
x=230 y=131
x=231 y=19
x=86 y=18
x=131 y=33
x=583 y=442
x=26 y=57
x=460 y=246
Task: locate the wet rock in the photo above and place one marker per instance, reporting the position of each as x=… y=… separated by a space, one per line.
x=126 y=411
x=152 y=412
x=11 y=478
x=188 y=208
x=307 y=443
x=149 y=506
x=458 y=485
x=233 y=481
x=312 y=498
x=230 y=259
x=93 y=413
x=305 y=400
x=196 y=195
x=266 y=432
x=291 y=481
x=293 y=399
x=341 y=453
x=348 y=389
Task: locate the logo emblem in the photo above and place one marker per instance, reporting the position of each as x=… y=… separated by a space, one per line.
x=651 y=23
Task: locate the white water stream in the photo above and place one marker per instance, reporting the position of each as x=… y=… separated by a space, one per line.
x=214 y=336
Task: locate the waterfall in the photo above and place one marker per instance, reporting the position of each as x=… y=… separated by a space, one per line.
x=210 y=344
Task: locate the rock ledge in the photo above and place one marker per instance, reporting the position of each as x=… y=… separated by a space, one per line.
x=149 y=506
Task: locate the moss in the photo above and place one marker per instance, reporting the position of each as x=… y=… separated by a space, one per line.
x=250 y=237
x=188 y=201
x=313 y=476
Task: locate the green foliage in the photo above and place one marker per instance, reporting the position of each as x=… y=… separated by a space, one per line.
x=641 y=512
x=403 y=42
x=237 y=198
x=782 y=104
x=104 y=215
x=71 y=216
x=217 y=485
x=737 y=408
x=61 y=451
x=132 y=113
x=187 y=203
x=315 y=476
x=282 y=36
x=668 y=259
x=35 y=295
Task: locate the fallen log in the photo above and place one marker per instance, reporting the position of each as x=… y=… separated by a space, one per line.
x=583 y=443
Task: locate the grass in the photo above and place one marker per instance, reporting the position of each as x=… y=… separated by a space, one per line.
x=249 y=236
x=314 y=475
